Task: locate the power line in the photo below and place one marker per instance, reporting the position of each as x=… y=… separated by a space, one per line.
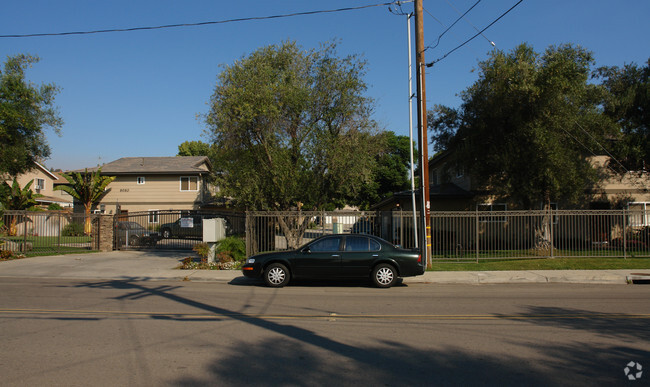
x=472 y=38
x=468 y=22
x=452 y=24
x=131 y=29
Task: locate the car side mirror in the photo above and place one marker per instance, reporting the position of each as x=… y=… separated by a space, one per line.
x=305 y=250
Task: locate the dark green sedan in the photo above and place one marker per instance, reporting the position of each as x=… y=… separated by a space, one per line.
x=337 y=256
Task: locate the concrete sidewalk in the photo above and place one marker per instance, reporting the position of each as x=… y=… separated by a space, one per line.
x=161 y=265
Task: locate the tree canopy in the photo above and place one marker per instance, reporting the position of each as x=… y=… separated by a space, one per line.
x=194 y=148
x=526 y=126
x=26 y=110
x=628 y=103
x=292 y=128
x=391 y=171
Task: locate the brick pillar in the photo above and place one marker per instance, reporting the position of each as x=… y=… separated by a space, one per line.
x=106 y=233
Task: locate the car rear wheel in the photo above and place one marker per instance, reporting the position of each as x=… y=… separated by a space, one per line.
x=384 y=275
x=276 y=275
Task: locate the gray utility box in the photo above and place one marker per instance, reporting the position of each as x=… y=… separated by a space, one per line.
x=214 y=230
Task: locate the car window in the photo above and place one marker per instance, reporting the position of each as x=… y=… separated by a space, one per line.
x=360 y=243
x=327 y=244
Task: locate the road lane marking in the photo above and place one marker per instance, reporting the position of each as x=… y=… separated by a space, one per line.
x=336 y=316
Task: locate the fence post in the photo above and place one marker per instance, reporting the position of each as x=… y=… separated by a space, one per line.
x=24 y=231
x=247 y=236
x=624 y=235
x=58 y=246
x=550 y=227
x=477 y=234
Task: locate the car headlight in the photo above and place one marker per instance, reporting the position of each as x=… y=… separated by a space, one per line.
x=250 y=260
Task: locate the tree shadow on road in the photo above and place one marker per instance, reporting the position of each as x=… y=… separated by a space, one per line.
x=289 y=354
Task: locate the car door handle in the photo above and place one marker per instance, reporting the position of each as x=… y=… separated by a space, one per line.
x=375 y=255
x=335 y=255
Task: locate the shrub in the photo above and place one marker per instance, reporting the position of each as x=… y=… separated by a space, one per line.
x=73 y=229
x=6 y=255
x=233 y=247
x=54 y=207
x=202 y=249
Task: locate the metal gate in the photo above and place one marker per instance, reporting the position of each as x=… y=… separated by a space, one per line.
x=169 y=229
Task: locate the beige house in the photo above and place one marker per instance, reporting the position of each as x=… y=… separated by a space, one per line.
x=452 y=190
x=152 y=184
x=44 y=182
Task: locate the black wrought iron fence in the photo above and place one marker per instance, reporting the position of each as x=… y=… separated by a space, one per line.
x=276 y=231
x=469 y=235
x=48 y=232
x=169 y=229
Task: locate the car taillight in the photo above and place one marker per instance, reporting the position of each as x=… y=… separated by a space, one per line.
x=419 y=258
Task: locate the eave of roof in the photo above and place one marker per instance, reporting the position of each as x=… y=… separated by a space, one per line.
x=155 y=165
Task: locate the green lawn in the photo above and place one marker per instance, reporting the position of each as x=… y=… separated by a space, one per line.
x=48 y=241
x=54 y=245
x=578 y=263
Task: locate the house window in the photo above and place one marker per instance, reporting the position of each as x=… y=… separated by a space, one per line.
x=189 y=183
x=153 y=216
x=40 y=184
x=492 y=209
x=639 y=213
x=141 y=180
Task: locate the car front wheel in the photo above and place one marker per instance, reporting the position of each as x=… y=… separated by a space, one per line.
x=276 y=275
x=134 y=241
x=384 y=275
x=166 y=233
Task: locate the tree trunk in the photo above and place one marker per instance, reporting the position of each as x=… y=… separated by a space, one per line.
x=88 y=228
x=543 y=243
x=293 y=229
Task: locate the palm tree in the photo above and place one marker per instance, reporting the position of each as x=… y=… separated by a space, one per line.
x=12 y=197
x=88 y=188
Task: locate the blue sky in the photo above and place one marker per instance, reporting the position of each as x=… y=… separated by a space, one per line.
x=139 y=93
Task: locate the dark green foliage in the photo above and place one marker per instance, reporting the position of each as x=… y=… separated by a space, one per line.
x=526 y=127
x=13 y=197
x=54 y=207
x=26 y=110
x=391 y=172
x=292 y=128
x=233 y=247
x=73 y=229
x=628 y=104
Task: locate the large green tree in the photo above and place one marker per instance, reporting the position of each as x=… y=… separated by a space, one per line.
x=88 y=188
x=292 y=126
x=293 y=130
x=526 y=126
x=26 y=110
x=628 y=103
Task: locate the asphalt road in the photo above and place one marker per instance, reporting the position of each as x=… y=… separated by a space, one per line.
x=75 y=332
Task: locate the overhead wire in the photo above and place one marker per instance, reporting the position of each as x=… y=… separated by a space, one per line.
x=470 y=23
x=472 y=38
x=244 y=19
x=452 y=24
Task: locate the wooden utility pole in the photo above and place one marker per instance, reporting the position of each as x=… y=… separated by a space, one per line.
x=420 y=66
